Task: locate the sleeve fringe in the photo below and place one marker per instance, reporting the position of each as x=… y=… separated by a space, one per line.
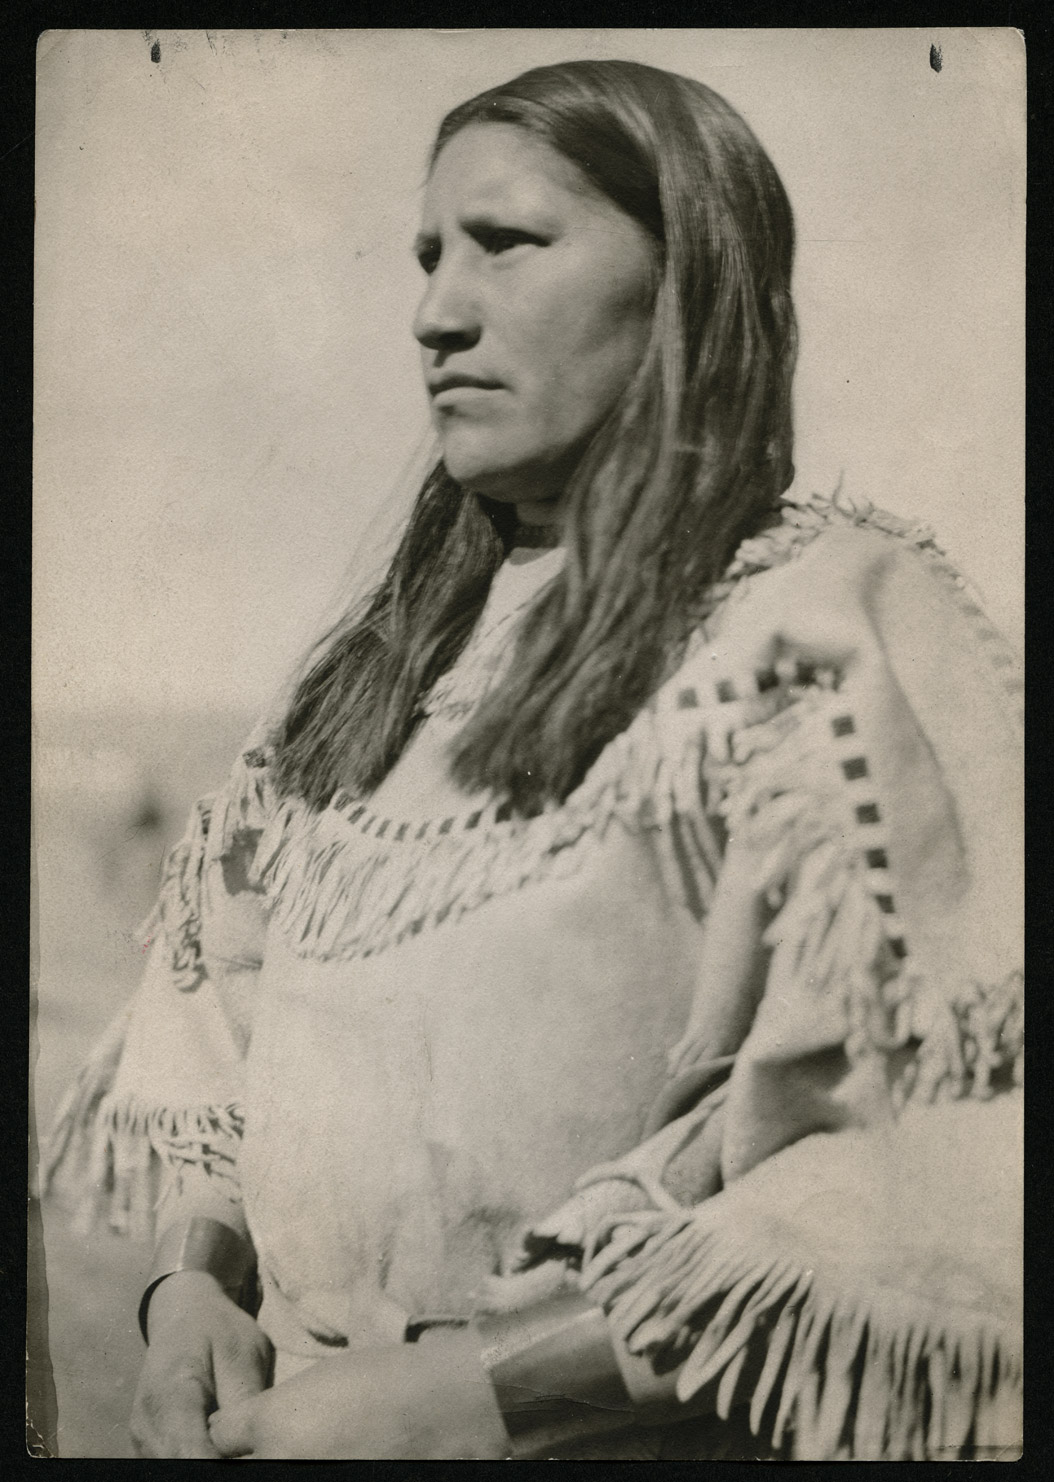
x=839 y=1365
x=106 y=1157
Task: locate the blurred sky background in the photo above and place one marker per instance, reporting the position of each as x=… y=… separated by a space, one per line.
x=228 y=411
x=227 y=388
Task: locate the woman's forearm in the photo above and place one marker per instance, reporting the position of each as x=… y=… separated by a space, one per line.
x=561 y=1374
x=200 y=1228
x=195 y=1192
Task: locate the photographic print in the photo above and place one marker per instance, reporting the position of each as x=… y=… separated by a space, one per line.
x=528 y=565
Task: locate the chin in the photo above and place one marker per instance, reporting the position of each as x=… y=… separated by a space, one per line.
x=501 y=482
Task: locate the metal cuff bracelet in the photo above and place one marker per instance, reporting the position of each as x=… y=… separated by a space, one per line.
x=201 y=1244
x=555 y=1374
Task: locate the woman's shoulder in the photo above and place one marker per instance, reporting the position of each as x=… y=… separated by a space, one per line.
x=838 y=534
x=837 y=556
x=831 y=577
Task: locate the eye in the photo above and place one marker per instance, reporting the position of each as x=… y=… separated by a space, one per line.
x=498 y=239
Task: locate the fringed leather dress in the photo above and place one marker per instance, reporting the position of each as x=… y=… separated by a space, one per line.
x=731 y=1039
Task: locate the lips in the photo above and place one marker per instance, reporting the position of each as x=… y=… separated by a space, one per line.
x=454 y=382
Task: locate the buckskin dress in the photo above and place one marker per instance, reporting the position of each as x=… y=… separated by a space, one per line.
x=730 y=1039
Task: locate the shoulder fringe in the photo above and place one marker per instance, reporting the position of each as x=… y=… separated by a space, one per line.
x=844 y=1362
x=178 y=910
x=836 y=932
x=219 y=824
x=106 y=1157
x=248 y=800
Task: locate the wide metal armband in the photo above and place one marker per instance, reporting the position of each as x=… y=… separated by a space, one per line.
x=555 y=1374
x=202 y=1244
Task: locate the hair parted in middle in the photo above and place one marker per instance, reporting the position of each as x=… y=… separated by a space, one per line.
x=693 y=459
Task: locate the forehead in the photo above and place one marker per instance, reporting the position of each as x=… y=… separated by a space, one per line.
x=488 y=167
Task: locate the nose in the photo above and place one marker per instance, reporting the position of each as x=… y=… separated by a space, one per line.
x=448 y=316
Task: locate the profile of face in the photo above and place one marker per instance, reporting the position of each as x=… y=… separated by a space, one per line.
x=536 y=313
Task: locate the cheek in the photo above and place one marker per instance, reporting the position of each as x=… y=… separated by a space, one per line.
x=588 y=355
x=584 y=331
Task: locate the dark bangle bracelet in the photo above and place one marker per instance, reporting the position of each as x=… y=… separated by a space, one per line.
x=202 y=1244
x=555 y=1374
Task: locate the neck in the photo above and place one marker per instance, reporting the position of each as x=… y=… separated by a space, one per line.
x=535 y=537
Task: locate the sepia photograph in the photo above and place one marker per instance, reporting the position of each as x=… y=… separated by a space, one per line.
x=528 y=572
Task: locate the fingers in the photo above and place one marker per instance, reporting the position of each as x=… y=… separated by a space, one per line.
x=170 y=1421
x=241 y=1363
x=206 y=1353
x=232 y=1430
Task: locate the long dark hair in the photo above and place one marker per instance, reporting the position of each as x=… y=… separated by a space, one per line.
x=692 y=460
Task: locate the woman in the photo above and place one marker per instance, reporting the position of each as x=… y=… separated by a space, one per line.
x=542 y=1026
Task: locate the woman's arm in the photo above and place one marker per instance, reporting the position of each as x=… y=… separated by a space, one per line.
x=204 y=1349
x=524 y=1384
x=409 y=1401
x=157 y=1105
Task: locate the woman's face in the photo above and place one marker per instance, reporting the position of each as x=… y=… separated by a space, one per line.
x=535 y=316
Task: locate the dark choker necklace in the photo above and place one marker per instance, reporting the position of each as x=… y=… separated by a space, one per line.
x=535 y=537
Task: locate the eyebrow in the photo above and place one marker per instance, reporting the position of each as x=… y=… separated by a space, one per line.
x=489 y=221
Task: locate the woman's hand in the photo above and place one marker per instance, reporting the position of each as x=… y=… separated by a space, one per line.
x=204 y=1351
x=412 y=1401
